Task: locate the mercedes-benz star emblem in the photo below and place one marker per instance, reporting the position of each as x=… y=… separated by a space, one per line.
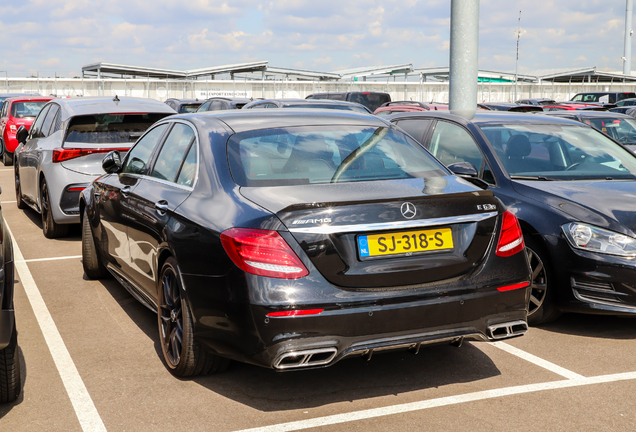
x=408 y=210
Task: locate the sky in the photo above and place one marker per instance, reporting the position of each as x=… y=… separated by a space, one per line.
x=60 y=36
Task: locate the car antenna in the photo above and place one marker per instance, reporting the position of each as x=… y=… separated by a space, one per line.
x=116 y=99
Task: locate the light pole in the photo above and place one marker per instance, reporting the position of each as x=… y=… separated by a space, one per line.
x=517 y=61
x=464 y=50
x=627 y=58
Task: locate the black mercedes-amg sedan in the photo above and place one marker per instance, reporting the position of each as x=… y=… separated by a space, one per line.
x=573 y=190
x=292 y=239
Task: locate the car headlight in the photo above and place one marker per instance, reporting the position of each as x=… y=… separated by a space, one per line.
x=594 y=239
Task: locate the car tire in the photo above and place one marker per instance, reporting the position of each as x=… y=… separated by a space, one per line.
x=93 y=266
x=183 y=355
x=50 y=228
x=7 y=158
x=18 y=190
x=541 y=308
x=10 y=379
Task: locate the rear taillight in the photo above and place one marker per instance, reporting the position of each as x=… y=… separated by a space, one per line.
x=64 y=154
x=263 y=253
x=292 y=313
x=13 y=128
x=511 y=237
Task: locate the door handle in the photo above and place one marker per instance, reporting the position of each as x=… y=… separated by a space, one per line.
x=125 y=190
x=162 y=206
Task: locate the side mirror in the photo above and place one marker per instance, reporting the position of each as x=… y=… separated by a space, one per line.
x=112 y=162
x=21 y=134
x=463 y=169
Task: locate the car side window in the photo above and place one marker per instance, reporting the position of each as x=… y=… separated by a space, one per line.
x=173 y=152
x=48 y=120
x=451 y=143
x=216 y=106
x=139 y=156
x=415 y=128
x=3 y=113
x=188 y=167
x=35 y=131
x=578 y=98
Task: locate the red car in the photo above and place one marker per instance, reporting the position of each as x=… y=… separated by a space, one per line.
x=16 y=112
x=400 y=106
x=569 y=106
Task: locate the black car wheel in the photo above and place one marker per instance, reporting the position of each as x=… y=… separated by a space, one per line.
x=50 y=228
x=93 y=266
x=18 y=190
x=541 y=308
x=182 y=354
x=7 y=158
x=10 y=380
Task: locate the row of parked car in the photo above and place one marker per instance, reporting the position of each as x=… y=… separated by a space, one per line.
x=293 y=238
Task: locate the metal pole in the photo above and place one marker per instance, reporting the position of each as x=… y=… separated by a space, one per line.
x=464 y=51
x=627 y=58
x=517 y=61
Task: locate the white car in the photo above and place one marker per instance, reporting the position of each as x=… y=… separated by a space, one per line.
x=62 y=152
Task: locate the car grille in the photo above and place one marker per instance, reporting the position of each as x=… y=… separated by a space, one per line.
x=594 y=291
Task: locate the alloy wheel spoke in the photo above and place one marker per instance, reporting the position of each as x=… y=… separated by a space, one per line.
x=539 y=286
x=535 y=300
x=538 y=269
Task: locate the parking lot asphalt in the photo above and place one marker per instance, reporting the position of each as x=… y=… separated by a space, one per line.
x=90 y=361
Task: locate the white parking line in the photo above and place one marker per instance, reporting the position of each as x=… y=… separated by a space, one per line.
x=8 y=202
x=440 y=402
x=52 y=259
x=6 y=169
x=537 y=361
x=82 y=403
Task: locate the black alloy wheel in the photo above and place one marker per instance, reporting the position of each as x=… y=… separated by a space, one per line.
x=541 y=309
x=50 y=228
x=10 y=378
x=182 y=354
x=18 y=190
x=93 y=266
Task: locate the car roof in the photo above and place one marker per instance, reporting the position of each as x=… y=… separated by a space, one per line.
x=184 y=101
x=246 y=120
x=482 y=118
x=29 y=98
x=111 y=104
x=237 y=100
x=588 y=113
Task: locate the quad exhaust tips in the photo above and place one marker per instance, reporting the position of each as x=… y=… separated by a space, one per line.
x=506 y=330
x=305 y=358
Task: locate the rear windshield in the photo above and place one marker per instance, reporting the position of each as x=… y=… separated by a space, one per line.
x=327 y=154
x=26 y=109
x=110 y=128
x=372 y=101
x=189 y=108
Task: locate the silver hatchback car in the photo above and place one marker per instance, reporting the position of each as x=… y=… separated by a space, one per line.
x=62 y=152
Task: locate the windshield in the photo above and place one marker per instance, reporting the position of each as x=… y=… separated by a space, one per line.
x=621 y=129
x=189 y=108
x=327 y=154
x=555 y=152
x=26 y=109
x=110 y=128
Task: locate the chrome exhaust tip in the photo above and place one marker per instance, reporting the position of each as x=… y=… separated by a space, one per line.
x=306 y=358
x=507 y=330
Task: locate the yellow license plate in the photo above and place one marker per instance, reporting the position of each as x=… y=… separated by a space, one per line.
x=406 y=242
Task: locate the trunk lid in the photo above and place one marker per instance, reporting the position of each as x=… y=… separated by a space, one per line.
x=332 y=222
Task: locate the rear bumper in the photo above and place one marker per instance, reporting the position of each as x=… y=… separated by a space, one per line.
x=59 y=180
x=344 y=330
